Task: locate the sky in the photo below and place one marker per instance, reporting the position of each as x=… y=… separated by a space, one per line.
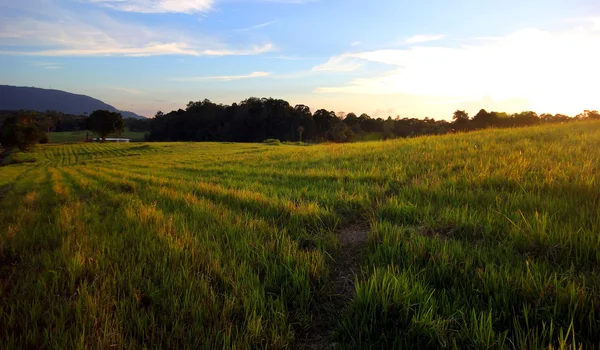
x=419 y=58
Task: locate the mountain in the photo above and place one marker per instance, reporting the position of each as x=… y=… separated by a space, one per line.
x=36 y=99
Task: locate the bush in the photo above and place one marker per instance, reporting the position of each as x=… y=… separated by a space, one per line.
x=20 y=132
x=292 y=143
x=16 y=157
x=273 y=142
x=44 y=138
x=104 y=123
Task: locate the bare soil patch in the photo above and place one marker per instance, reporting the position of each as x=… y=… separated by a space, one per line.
x=344 y=270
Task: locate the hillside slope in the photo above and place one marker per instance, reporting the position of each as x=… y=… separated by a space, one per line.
x=37 y=99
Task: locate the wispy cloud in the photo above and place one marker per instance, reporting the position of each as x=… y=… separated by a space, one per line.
x=68 y=34
x=225 y=77
x=149 y=50
x=125 y=90
x=591 y=23
x=294 y=75
x=157 y=6
x=254 y=50
x=46 y=65
x=258 y=26
x=289 y=58
x=291 y=2
x=355 y=43
x=423 y=38
x=344 y=63
x=172 y=6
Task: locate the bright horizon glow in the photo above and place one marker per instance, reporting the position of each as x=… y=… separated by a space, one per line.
x=149 y=55
x=503 y=68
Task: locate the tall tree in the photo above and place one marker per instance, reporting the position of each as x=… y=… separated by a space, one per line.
x=104 y=123
x=20 y=131
x=351 y=119
x=587 y=114
x=460 y=115
x=300 y=132
x=324 y=122
x=461 y=120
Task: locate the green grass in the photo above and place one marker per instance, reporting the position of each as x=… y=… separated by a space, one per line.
x=79 y=136
x=480 y=240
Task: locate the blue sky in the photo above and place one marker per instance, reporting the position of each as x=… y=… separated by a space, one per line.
x=382 y=57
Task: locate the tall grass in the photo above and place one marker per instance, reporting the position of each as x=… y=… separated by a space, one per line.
x=483 y=240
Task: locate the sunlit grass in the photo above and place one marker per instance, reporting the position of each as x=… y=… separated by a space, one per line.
x=480 y=240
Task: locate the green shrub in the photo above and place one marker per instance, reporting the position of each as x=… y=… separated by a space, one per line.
x=44 y=138
x=17 y=157
x=20 y=132
x=274 y=142
x=297 y=143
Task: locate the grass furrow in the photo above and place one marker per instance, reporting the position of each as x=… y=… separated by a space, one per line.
x=480 y=240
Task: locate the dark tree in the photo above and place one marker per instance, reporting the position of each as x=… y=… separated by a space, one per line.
x=105 y=123
x=593 y=115
x=300 y=132
x=134 y=124
x=460 y=115
x=340 y=132
x=590 y=115
x=304 y=118
x=351 y=119
x=21 y=131
x=257 y=119
x=525 y=118
x=324 y=122
x=461 y=120
x=482 y=119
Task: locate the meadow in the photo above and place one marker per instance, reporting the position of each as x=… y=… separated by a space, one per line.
x=79 y=136
x=485 y=240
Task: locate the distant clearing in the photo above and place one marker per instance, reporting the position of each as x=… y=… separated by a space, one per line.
x=79 y=136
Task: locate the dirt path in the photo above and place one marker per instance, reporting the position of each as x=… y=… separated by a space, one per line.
x=344 y=270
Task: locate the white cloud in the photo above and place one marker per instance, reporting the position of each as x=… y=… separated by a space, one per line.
x=254 y=50
x=172 y=6
x=125 y=90
x=355 y=43
x=225 y=77
x=591 y=23
x=46 y=65
x=344 y=63
x=423 y=38
x=149 y=50
x=68 y=34
x=289 y=58
x=157 y=6
x=553 y=71
x=258 y=26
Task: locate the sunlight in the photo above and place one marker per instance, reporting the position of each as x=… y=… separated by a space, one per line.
x=552 y=71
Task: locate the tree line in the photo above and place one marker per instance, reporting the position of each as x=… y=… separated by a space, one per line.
x=54 y=121
x=258 y=119
x=23 y=129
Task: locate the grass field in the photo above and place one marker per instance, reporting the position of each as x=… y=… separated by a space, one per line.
x=79 y=136
x=486 y=240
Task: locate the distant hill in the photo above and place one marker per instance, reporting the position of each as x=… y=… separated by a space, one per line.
x=36 y=99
